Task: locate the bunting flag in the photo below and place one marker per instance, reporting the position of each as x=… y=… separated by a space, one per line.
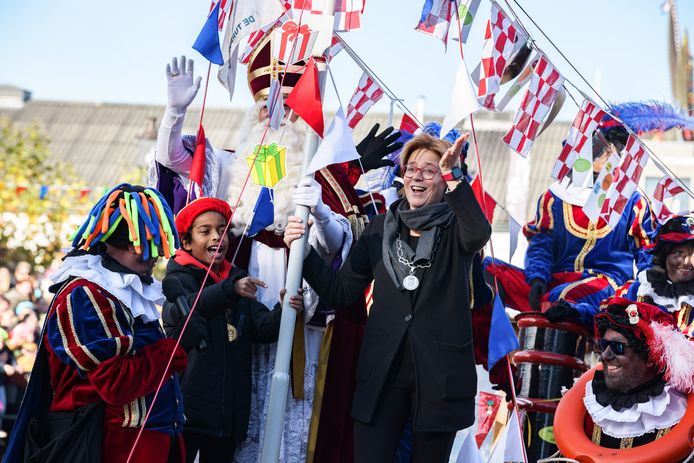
x=515 y=448
x=365 y=96
x=666 y=188
x=337 y=145
x=207 y=42
x=601 y=188
x=247 y=17
x=537 y=102
x=263 y=212
x=43 y=192
x=467 y=10
x=254 y=38
x=626 y=179
x=485 y=200
x=501 y=37
x=463 y=101
x=407 y=124
x=305 y=98
x=335 y=47
x=514 y=229
x=469 y=452
x=585 y=122
x=197 y=168
x=347 y=12
x=436 y=19
x=502 y=338
x=275 y=105
x=487 y=407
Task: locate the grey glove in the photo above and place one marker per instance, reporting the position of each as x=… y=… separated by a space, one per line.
x=181 y=87
x=537 y=289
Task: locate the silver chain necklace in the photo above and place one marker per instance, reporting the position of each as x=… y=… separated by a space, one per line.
x=410 y=282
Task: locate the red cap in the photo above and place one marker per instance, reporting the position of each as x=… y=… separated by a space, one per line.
x=187 y=215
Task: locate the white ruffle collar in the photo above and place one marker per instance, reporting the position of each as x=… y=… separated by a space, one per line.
x=669 y=303
x=141 y=299
x=660 y=412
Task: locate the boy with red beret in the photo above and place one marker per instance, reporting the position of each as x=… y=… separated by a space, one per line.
x=217 y=383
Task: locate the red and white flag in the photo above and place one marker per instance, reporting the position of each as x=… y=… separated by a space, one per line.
x=666 y=188
x=585 y=122
x=501 y=37
x=436 y=19
x=347 y=12
x=544 y=88
x=626 y=179
x=365 y=96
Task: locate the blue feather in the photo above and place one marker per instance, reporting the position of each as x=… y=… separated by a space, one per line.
x=642 y=117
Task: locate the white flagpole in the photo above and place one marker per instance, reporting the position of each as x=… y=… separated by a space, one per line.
x=279 y=386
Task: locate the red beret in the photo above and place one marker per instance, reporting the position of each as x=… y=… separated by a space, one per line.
x=187 y=215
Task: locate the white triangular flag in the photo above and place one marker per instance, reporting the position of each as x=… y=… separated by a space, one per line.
x=499 y=450
x=275 y=105
x=463 y=101
x=514 y=229
x=469 y=453
x=514 y=441
x=337 y=145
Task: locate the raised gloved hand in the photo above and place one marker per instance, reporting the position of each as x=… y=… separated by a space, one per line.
x=537 y=289
x=196 y=330
x=181 y=87
x=562 y=312
x=373 y=148
x=309 y=193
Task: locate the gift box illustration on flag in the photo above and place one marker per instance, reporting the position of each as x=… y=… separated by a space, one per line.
x=268 y=167
x=293 y=43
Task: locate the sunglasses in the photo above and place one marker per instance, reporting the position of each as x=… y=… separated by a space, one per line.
x=617 y=347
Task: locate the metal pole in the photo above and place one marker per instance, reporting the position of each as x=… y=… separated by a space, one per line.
x=279 y=386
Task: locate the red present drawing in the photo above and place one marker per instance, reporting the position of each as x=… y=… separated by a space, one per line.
x=293 y=43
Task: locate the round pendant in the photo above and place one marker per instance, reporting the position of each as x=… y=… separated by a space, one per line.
x=410 y=282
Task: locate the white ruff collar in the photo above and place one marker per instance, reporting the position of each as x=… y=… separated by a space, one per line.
x=660 y=412
x=141 y=299
x=672 y=305
x=570 y=193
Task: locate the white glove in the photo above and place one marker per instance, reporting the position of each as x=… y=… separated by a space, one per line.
x=181 y=89
x=309 y=193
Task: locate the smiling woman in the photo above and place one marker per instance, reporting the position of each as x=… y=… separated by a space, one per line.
x=417 y=345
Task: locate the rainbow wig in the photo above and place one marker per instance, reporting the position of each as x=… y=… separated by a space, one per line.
x=149 y=221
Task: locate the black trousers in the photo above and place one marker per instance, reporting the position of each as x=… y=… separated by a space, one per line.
x=212 y=449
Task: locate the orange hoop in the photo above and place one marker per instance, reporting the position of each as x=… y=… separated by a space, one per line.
x=570 y=434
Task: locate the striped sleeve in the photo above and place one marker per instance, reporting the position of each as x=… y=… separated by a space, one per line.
x=88 y=327
x=544 y=219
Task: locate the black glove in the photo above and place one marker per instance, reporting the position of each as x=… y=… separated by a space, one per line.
x=537 y=289
x=373 y=148
x=562 y=312
x=195 y=332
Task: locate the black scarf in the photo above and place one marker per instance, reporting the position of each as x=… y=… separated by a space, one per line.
x=663 y=287
x=428 y=220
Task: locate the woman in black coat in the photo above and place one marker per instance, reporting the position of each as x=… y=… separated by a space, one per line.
x=417 y=356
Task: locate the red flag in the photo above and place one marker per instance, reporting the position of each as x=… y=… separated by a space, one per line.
x=407 y=124
x=488 y=204
x=197 y=169
x=487 y=408
x=305 y=98
x=20 y=189
x=84 y=192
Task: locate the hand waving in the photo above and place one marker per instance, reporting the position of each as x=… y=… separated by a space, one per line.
x=373 y=148
x=181 y=88
x=451 y=157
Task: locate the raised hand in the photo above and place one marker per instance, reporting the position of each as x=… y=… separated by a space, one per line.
x=181 y=87
x=451 y=158
x=373 y=148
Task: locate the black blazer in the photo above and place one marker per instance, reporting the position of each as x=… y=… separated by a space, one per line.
x=435 y=317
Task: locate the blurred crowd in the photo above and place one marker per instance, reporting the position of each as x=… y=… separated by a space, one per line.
x=24 y=299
